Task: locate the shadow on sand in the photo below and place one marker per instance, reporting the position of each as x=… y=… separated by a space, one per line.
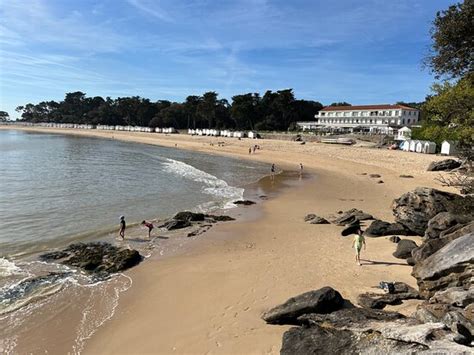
x=374 y=262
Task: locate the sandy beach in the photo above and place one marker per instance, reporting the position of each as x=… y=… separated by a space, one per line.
x=210 y=299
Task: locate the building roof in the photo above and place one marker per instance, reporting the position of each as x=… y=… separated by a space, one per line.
x=368 y=107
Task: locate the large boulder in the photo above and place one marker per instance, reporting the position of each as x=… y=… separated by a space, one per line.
x=324 y=300
x=189 y=216
x=414 y=209
x=444 y=165
x=351 y=216
x=96 y=257
x=314 y=219
x=451 y=266
x=444 y=221
x=380 y=228
x=173 y=224
x=404 y=248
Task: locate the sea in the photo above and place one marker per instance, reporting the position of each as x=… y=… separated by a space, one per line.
x=58 y=189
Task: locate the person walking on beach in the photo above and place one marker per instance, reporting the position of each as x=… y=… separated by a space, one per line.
x=301 y=169
x=359 y=240
x=123 y=225
x=273 y=171
x=250 y=150
x=150 y=227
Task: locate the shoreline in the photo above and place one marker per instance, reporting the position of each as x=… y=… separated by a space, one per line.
x=217 y=291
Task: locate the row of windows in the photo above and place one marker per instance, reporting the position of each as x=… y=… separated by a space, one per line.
x=366 y=113
x=369 y=121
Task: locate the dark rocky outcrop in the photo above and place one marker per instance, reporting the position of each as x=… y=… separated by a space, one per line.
x=324 y=300
x=380 y=228
x=414 y=209
x=173 y=224
x=451 y=266
x=244 y=202
x=394 y=239
x=364 y=331
x=351 y=216
x=404 y=248
x=223 y=218
x=189 y=216
x=380 y=300
x=374 y=176
x=444 y=165
x=406 y=176
x=96 y=257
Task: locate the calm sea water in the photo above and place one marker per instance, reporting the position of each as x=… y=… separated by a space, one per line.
x=55 y=189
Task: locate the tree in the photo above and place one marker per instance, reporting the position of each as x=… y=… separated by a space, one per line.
x=453 y=41
x=245 y=110
x=340 y=104
x=4 y=116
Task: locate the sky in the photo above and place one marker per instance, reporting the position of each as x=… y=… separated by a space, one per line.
x=359 y=51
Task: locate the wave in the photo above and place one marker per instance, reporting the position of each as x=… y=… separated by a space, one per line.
x=212 y=184
x=9 y=268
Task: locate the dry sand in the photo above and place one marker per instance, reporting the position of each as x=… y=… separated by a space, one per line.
x=210 y=299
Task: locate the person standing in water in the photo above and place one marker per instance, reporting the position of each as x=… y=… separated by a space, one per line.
x=301 y=169
x=123 y=225
x=150 y=227
x=273 y=171
x=359 y=240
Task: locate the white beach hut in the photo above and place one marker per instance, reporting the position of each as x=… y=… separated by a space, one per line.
x=252 y=134
x=419 y=146
x=449 y=148
x=413 y=144
x=429 y=148
x=405 y=146
x=404 y=134
x=239 y=134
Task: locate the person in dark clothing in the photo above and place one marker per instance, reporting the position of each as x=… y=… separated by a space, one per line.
x=123 y=225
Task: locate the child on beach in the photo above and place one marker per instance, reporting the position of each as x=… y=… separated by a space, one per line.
x=150 y=227
x=359 y=240
x=122 y=227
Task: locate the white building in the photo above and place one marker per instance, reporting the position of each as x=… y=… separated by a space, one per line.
x=448 y=148
x=369 y=118
x=404 y=134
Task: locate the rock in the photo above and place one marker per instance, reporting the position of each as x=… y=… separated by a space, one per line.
x=442 y=222
x=349 y=317
x=380 y=300
x=404 y=248
x=220 y=218
x=410 y=261
x=380 y=182
x=444 y=165
x=324 y=300
x=469 y=312
x=309 y=217
x=459 y=324
x=414 y=209
x=351 y=216
x=374 y=176
x=96 y=257
x=451 y=266
x=428 y=248
x=244 y=202
x=457 y=232
x=380 y=228
x=414 y=333
x=455 y=296
x=319 y=220
x=406 y=176
x=189 y=216
x=394 y=239
x=173 y=224
x=432 y=312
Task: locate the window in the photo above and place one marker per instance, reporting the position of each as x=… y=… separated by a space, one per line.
x=322 y=114
x=373 y=113
x=346 y=113
x=403 y=121
x=338 y=114
x=355 y=114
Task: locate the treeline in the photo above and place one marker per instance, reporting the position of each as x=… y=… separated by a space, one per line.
x=273 y=111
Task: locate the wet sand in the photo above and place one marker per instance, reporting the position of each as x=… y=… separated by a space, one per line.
x=209 y=299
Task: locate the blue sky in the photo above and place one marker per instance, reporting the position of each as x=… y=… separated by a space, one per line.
x=340 y=50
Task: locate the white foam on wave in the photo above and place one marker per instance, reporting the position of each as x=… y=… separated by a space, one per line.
x=212 y=184
x=9 y=268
